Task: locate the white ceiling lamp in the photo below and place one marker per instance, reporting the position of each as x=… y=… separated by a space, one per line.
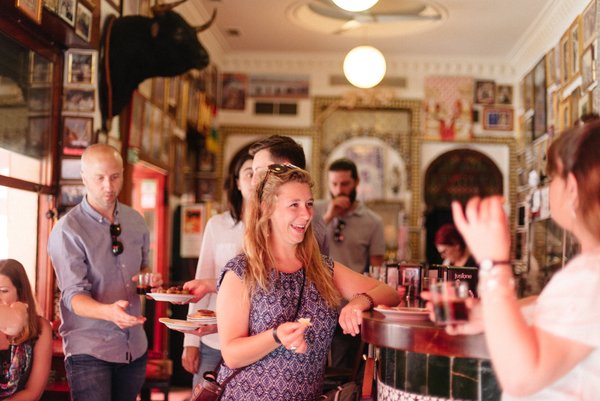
x=355 y=5
x=364 y=66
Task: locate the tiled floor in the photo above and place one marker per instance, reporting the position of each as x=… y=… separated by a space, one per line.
x=176 y=394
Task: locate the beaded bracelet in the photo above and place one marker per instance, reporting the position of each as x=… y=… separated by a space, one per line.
x=368 y=298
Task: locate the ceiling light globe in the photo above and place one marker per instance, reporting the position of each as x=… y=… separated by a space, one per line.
x=355 y=5
x=364 y=66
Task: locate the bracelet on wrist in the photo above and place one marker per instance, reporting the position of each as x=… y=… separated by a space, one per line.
x=496 y=282
x=275 y=336
x=367 y=297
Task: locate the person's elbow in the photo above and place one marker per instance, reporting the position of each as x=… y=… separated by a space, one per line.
x=230 y=358
x=520 y=385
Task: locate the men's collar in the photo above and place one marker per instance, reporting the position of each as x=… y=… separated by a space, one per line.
x=93 y=213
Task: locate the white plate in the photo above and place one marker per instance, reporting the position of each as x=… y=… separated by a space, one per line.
x=398 y=312
x=203 y=320
x=163 y=296
x=177 y=324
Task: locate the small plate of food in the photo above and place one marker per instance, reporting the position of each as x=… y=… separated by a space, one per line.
x=177 y=324
x=171 y=294
x=204 y=316
x=404 y=313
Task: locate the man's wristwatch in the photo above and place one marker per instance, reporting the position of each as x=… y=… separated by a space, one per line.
x=486 y=265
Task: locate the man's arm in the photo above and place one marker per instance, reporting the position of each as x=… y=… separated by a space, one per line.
x=85 y=306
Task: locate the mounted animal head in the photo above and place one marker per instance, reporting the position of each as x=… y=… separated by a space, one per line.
x=135 y=48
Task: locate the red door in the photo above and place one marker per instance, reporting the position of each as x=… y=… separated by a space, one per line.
x=148 y=198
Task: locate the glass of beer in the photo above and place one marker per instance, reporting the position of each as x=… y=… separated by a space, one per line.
x=143 y=284
x=449 y=301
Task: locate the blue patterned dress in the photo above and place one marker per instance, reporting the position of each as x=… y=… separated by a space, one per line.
x=283 y=375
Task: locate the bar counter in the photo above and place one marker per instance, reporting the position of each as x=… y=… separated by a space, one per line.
x=419 y=361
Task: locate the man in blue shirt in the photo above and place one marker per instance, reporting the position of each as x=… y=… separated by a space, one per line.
x=98 y=249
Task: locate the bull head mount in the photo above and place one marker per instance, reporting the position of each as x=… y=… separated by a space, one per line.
x=135 y=48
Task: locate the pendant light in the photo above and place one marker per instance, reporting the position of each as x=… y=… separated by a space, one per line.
x=364 y=66
x=355 y=5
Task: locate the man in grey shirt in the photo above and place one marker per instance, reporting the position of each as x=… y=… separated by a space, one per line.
x=98 y=249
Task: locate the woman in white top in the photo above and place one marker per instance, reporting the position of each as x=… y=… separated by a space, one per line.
x=222 y=240
x=546 y=349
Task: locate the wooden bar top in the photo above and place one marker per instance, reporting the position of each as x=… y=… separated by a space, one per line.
x=421 y=336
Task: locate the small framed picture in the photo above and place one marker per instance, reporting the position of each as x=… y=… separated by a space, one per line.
x=83 y=22
x=38 y=133
x=588 y=70
x=40 y=99
x=589 y=23
x=498 y=118
x=40 y=69
x=409 y=277
x=70 y=169
x=66 y=11
x=31 y=8
x=137 y=120
x=71 y=193
x=504 y=94
x=77 y=134
x=485 y=92
x=79 y=99
x=80 y=66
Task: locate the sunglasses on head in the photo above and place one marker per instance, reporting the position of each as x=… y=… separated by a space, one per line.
x=275 y=169
x=117 y=246
x=338 y=235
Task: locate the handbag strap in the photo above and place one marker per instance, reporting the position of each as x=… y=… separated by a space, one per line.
x=301 y=294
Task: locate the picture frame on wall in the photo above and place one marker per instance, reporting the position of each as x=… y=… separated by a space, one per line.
x=539 y=99
x=137 y=120
x=77 y=134
x=79 y=99
x=504 y=94
x=70 y=169
x=37 y=133
x=71 y=193
x=83 y=22
x=485 y=92
x=588 y=72
x=498 y=118
x=565 y=65
x=589 y=23
x=66 y=10
x=80 y=66
x=40 y=99
x=527 y=92
x=575 y=47
x=551 y=67
x=40 y=69
x=31 y=8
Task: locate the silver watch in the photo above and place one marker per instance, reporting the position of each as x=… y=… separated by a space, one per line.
x=486 y=265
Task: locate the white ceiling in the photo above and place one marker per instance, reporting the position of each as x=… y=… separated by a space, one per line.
x=472 y=29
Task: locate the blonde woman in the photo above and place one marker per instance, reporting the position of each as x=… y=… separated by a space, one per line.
x=277 y=302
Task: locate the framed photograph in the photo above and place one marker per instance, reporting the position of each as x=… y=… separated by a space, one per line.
x=83 y=22
x=178 y=150
x=77 y=134
x=498 y=118
x=79 y=99
x=576 y=47
x=233 y=91
x=40 y=99
x=551 y=77
x=409 y=277
x=207 y=189
x=585 y=104
x=527 y=92
x=565 y=65
x=51 y=5
x=66 y=10
x=589 y=23
x=70 y=169
x=279 y=86
x=80 y=67
x=71 y=194
x=31 y=8
x=588 y=70
x=485 y=92
x=539 y=99
x=37 y=135
x=504 y=94
x=40 y=69
x=564 y=117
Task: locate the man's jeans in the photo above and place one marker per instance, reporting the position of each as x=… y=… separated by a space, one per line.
x=92 y=379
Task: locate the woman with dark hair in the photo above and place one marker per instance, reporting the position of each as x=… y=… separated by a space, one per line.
x=549 y=347
x=278 y=301
x=221 y=241
x=24 y=356
x=452 y=248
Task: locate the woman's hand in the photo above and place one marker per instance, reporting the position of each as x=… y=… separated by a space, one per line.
x=291 y=335
x=473 y=326
x=351 y=315
x=200 y=287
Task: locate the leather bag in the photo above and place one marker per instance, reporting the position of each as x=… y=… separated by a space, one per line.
x=208 y=389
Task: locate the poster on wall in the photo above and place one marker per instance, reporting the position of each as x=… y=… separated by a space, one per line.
x=192 y=227
x=448 y=105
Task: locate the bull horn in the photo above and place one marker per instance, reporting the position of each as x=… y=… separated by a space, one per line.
x=159 y=9
x=207 y=24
